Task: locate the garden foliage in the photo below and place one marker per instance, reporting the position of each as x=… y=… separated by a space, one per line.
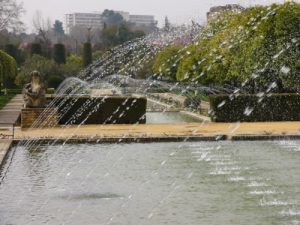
x=252 y=50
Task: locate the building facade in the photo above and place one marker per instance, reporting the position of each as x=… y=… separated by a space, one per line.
x=142 y=20
x=95 y=20
x=88 y=20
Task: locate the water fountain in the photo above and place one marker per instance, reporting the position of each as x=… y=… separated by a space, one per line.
x=180 y=183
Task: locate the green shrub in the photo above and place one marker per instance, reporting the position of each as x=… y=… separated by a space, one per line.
x=97 y=54
x=54 y=81
x=13 y=91
x=87 y=54
x=50 y=91
x=35 y=49
x=11 y=50
x=59 y=54
x=251 y=49
x=45 y=66
x=48 y=69
x=112 y=110
x=72 y=67
x=16 y=53
x=8 y=69
x=166 y=62
x=254 y=108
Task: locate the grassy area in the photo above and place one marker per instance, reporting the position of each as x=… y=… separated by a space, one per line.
x=4 y=99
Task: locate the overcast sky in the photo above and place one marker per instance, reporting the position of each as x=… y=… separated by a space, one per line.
x=178 y=11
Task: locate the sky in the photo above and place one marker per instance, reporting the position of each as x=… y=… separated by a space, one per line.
x=178 y=11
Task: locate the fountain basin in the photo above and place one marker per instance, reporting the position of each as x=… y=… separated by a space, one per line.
x=100 y=110
x=191 y=183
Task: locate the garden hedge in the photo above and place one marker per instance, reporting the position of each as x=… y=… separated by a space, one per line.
x=87 y=54
x=35 y=49
x=255 y=108
x=59 y=54
x=8 y=68
x=110 y=110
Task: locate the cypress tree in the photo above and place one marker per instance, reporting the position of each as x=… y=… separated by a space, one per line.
x=35 y=49
x=11 y=50
x=59 y=55
x=87 y=54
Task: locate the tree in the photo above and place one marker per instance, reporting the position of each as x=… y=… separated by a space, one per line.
x=87 y=54
x=35 y=49
x=58 y=28
x=109 y=36
x=18 y=54
x=59 y=54
x=166 y=63
x=51 y=72
x=8 y=70
x=73 y=66
x=97 y=54
x=118 y=34
x=257 y=50
x=10 y=12
x=45 y=66
x=54 y=81
x=112 y=18
x=43 y=28
x=167 y=25
x=41 y=25
x=11 y=50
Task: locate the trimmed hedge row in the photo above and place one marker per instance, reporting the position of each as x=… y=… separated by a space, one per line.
x=8 y=67
x=59 y=55
x=101 y=110
x=87 y=54
x=255 y=108
x=12 y=91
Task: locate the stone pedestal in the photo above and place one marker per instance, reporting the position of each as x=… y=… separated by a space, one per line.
x=39 y=117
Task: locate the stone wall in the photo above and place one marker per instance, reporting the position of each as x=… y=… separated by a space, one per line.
x=39 y=117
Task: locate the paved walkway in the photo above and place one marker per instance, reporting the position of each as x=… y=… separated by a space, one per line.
x=205 y=129
x=11 y=112
x=9 y=115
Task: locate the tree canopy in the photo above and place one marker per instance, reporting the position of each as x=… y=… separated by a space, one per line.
x=10 y=12
x=112 y=18
x=58 y=28
x=117 y=34
x=255 y=49
x=166 y=63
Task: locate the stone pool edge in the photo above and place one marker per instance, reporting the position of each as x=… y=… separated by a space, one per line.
x=5 y=149
x=5 y=146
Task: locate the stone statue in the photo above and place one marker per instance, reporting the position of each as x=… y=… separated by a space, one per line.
x=34 y=92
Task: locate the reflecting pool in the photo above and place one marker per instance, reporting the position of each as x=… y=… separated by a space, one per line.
x=170 y=117
x=209 y=183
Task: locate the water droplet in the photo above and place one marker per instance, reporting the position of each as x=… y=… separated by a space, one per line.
x=285 y=69
x=222 y=104
x=248 y=111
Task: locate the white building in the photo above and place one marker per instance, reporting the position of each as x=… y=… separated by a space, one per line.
x=93 y=20
x=141 y=20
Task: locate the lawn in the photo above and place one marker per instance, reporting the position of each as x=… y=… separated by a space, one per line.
x=4 y=99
